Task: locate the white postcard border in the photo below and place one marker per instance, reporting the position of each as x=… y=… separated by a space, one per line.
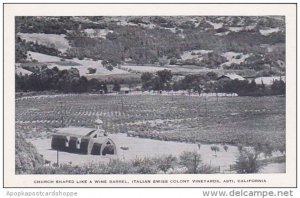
x=287 y=179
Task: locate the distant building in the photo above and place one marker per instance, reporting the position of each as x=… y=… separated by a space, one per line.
x=268 y=80
x=231 y=77
x=83 y=140
x=138 y=88
x=101 y=91
x=124 y=90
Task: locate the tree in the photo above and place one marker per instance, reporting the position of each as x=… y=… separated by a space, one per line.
x=240 y=147
x=93 y=85
x=215 y=149
x=163 y=61
x=161 y=81
x=278 y=87
x=108 y=65
x=82 y=85
x=146 y=77
x=104 y=63
x=191 y=161
x=198 y=88
x=252 y=86
x=166 y=163
x=225 y=147
x=164 y=75
x=247 y=161
x=199 y=146
x=117 y=87
x=265 y=148
x=212 y=75
x=92 y=70
x=157 y=84
x=110 y=68
x=146 y=80
x=281 y=148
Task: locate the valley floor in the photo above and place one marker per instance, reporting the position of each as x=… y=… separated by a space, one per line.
x=147 y=148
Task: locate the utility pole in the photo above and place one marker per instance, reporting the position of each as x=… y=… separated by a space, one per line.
x=205 y=106
x=62 y=125
x=61 y=114
x=216 y=90
x=122 y=103
x=57 y=158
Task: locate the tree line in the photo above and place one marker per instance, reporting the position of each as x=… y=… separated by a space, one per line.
x=65 y=81
x=209 y=83
x=70 y=81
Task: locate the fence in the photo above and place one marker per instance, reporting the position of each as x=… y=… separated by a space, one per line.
x=225 y=169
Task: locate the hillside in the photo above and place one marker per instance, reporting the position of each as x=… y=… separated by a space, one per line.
x=220 y=43
x=27 y=157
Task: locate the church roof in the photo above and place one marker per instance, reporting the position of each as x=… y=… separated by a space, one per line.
x=74 y=131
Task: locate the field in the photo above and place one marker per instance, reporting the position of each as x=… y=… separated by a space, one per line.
x=190 y=69
x=82 y=65
x=230 y=120
x=127 y=71
x=140 y=148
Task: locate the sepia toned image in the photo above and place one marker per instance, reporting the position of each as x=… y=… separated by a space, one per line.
x=150 y=95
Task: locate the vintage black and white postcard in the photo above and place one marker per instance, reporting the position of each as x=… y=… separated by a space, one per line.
x=150 y=95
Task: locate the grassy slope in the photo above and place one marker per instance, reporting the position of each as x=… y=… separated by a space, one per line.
x=27 y=157
x=141 y=42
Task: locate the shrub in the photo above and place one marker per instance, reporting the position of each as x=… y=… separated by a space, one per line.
x=92 y=70
x=116 y=87
x=110 y=68
x=212 y=75
x=166 y=163
x=238 y=56
x=144 y=166
x=117 y=167
x=225 y=147
x=27 y=158
x=190 y=160
x=215 y=149
x=247 y=162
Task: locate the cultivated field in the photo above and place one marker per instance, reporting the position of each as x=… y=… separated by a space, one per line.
x=230 y=120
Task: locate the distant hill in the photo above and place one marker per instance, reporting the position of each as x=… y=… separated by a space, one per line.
x=224 y=43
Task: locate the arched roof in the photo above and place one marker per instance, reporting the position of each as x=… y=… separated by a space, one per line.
x=100 y=140
x=74 y=131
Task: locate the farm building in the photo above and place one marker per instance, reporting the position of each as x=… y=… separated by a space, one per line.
x=124 y=90
x=268 y=80
x=231 y=77
x=83 y=140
